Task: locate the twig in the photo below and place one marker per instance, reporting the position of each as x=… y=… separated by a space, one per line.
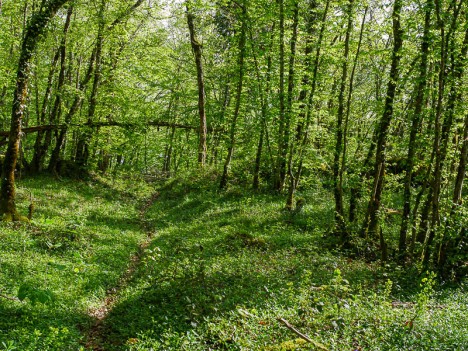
x=10 y=298
x=303 y=336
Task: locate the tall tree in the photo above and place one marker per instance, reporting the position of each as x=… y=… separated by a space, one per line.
x=415 y=125
x=309 y=87
x=33 y=31
x=337 y=171
x=371 y=221
x=197 y=51
x=240 y=82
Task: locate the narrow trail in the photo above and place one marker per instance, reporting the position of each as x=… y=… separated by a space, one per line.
x=94 y=337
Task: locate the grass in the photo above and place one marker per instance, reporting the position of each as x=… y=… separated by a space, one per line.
x=221 y=270
x=77 y=246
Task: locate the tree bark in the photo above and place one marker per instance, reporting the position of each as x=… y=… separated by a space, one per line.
x=264 y=96
x=443 y=132
x=82 y=154
x=302 y=130
x=282 y=149
x=340 y=224
x=232 y=133
x=197 y=51
x=371 y=221
x=415 y=124
x=34 y=30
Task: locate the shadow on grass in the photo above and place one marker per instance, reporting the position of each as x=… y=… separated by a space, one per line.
x=217 y=255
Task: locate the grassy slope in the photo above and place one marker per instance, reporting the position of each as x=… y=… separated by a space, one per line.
x=225 y=266
x=221 y=270
x=77 y=247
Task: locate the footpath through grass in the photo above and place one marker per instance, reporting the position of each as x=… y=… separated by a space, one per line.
x=225 y=266
x=77 y=246
x=221 y=271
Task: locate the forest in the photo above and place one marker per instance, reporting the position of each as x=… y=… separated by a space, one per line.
x=233 y=175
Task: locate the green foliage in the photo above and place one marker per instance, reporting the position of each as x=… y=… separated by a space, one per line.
x=62 y=263
x=35 y=295
x=220 y=271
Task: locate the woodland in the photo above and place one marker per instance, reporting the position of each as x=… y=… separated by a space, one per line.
x=233 y=175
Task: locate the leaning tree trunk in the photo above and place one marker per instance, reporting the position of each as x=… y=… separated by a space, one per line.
x=34 y=30
x=371 y=221
x=196 y=47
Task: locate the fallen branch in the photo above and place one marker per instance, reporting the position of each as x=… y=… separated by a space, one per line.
x=303 y=336
x=44 y=128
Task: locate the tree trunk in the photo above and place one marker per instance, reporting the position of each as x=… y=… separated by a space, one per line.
x=264 y=96
x=305 y=107
x=232 y=134
x=282 y=149
x=340 y=224
x=34 y=30
x=82 y=155
x=441 y=141
x=38 y=150
x=197 y=51
x=371 y=221
x=415 y=125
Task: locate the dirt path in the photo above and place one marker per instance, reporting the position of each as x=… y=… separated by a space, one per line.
x=94 y=337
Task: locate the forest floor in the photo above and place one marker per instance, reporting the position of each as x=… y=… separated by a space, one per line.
x=127 y=265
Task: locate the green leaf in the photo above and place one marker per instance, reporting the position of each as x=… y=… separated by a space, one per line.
x=35 y=295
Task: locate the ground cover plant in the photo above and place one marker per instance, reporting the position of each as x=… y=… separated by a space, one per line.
x=233 y=174
x=60 y=265
x=225 y=266
x=219 y=271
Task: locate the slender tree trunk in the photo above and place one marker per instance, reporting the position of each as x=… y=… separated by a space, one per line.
x=33 y=31
x=38 y=150
x=302 y=130
x=82 y=154
x=337 y=172
x=291 y=76
x=415 y=125
x=282 y=149
x=264 y=96
x=232 y=134
x=74 y=108
x=354 y=194
x=449 y=244
x=441 y=142
x=371 y=221
x=197 y=51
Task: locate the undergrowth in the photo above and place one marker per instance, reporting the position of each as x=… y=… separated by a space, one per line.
x=59 y=266
x=222 y=271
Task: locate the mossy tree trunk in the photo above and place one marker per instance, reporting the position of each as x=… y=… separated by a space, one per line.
x=415 y=125
x=232 y=132
x=309 y=88
x=197 y=51
x=340 y=225
x=34 y=30
x=371 y=222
